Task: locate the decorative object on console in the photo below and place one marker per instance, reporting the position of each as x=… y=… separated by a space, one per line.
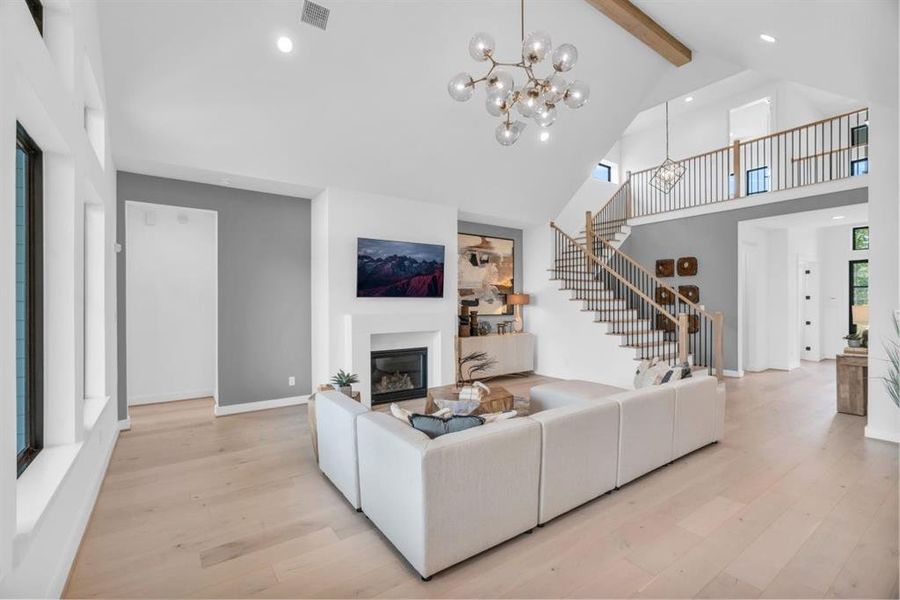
x=537 y=98
x=473 y=322
x=687 y=266
x=484 y=328
x=669 y=173
x=486 y=266
x=518 y=301
x=389 y=269
x=665 y=267
x=464 y=325
x=471 y=364
x=664 y=296
x=345 y=382
x=691 y=292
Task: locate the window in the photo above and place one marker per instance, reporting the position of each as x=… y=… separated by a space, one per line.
x=859 y=136
x=29 y=305
x=37 y=13
x=603 y=172
x=859 y=287
x=859 y=167
x=860 y=238
x=758 y=180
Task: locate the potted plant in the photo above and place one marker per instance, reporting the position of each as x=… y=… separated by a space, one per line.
x=892 y=379
x=468 y=366
x=344 y=382
x=854 y=340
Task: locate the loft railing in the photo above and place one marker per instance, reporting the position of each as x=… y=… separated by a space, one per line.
x=826 y=150
x=652 y=317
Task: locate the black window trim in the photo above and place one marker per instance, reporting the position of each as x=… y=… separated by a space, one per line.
x=765 y=170
x=34 y=309
x=850 y=326
x=36 y=7
x=853 y=237
x=608 y=170
x=854 y=138
x=858 y=161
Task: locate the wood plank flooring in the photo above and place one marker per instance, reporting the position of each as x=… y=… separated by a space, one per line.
x=794 y=502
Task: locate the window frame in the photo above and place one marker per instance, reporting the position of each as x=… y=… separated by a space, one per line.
x=851 y=328
x=608 y=171
x=34 y=304
x=854 y=136
x=859 y=161
x=853 y=238
x=36 y=8
x=765 y=170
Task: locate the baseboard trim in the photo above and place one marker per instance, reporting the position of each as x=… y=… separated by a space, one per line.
x=125 y=424
x=171 y=397
x=885 y=436
x=233 y=409
x=733 y=373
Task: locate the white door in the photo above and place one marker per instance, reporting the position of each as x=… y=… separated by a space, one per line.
x=810 y=312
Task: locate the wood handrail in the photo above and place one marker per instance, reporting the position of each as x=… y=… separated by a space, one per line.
x=827 y=152
x=657 y=281
x=764 y=137
x=612 y=272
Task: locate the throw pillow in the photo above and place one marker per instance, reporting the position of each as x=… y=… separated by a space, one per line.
x=404 y=415
x=436 y=426
x=646 y=373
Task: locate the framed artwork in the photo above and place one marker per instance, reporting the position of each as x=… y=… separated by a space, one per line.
x=687 y=266
x=486 y=267
x=665 y=267
x=387 y=268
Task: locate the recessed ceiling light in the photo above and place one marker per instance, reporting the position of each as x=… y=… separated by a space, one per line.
x=545 y=135
x=285 y=44
x=767 y=38
x=838 y=217
x=689 y=99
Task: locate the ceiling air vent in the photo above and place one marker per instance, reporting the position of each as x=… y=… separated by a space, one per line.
x=315 y=14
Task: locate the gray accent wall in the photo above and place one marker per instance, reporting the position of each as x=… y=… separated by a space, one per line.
x=515 y=235
x=264 y=285
x=713 y=239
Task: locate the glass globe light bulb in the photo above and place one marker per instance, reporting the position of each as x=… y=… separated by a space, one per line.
x=577 y=94
x=508 y=135
x=529 y=102
x=564 y=57
x=536 y=46
x=481 y=46
x=500 y=80
x=461 y=87
x=546 y=115
x=556 y=88
x=498 y=102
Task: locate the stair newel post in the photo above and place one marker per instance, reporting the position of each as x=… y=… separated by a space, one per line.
x=736 y=167
x=718 y=338
x=629 y=208
x=682 y=338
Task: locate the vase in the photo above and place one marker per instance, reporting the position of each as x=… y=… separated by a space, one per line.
x=347 y=390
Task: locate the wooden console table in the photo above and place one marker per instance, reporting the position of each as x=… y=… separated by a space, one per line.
x=514 y=352
x=853 y=383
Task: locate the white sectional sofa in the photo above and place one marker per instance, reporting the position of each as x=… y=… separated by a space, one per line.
x=444 y=500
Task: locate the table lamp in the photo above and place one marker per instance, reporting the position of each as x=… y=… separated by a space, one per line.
x=860 y=314
x=517 y=301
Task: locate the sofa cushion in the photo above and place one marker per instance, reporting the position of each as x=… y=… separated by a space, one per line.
x=436 y=426
x=646 y=425
x=565 y=393
x=336 y=416
x=696 y=413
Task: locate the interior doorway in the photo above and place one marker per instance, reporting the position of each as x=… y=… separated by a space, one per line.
x=171 y=258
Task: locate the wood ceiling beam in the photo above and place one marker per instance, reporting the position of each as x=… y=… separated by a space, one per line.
x=636 y=22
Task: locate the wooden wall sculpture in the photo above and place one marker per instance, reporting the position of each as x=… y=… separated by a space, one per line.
x=665 y=267
x=691 y=292
x=687 y=266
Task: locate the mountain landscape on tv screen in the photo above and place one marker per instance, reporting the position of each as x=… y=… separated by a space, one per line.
x=399 y=269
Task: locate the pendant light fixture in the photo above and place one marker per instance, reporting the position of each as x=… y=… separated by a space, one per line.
x=669 y=173
x=537 y=98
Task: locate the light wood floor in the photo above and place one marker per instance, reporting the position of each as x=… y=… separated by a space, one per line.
x=795 y=502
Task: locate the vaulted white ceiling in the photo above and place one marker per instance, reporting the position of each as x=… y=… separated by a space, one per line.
x=198 y=90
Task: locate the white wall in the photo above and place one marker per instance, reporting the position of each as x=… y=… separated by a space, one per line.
x=171 y=303
x=835 y=253
x=339 y=217
x=569 y=343
x=42 y=85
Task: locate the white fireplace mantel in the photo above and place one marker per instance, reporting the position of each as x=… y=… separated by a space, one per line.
x=434 y=330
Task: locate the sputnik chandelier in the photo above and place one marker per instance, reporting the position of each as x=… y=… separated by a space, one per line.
x=537 y=98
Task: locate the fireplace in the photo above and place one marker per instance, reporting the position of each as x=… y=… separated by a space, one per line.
x=399 y=374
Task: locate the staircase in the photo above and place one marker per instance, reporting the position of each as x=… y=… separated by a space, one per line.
x=651 y=318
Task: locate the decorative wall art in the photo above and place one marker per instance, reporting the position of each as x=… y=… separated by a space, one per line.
x=664 y=324
x=664 y=296
x=687 y=266
x=665 y=267
x=691 y=292
x=486 y=272
x=388 y=268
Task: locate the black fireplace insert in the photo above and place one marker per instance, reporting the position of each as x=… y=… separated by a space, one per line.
x=399 y=374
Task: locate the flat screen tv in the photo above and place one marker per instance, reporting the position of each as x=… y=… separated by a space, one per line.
x=389 y=269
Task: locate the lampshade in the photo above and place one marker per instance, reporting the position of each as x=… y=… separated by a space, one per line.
x=860 y=313
x=517 y=299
